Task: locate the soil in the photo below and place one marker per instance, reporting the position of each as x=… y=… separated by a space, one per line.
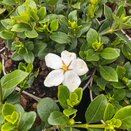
x=38 y=88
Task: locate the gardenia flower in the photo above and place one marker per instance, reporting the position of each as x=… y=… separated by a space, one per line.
x=67 y=70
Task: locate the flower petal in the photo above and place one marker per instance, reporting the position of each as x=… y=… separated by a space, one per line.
x=79 y=66
x=54 y=78
x=53 y=61
x=71 y=80
x=67 y=57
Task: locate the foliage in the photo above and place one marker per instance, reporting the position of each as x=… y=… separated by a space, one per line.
x=95 y=30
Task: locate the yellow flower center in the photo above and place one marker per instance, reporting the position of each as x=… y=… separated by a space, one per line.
x=65 y=67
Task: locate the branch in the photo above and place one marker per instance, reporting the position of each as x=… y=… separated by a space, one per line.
x=17 y=88
x=90 y=80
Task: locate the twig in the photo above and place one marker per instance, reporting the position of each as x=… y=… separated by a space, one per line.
x=90 y=79
x=1 y=50
x=17 y=88
x=3 y=63
x=128 y=37
x=28 y=94
x=91 y=95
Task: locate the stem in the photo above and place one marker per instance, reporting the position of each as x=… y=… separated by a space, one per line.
x=17 y=88
x=28 y=94
x=87 y=126
x=90 y=80
x=1 y=95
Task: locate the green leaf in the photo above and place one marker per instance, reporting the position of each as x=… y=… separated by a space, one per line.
x=8 y=127
x=27 y=121
x=8 y=109
x=109 y=73
x=121 y=11
x=20 y=27
x=42 y=13
x=79 y=93
x=6 y=34
x=101 y=83
x=95 y=110
x=45 y=107
x=118 y=85
x=31 y=34
x=12 y=118
x=108 y=13
x=8 y=2
x=60 y=37
x=70 y=111
x=121 y=71
x=91 y=55
x=126 y=52
x=124 y=114
x=12 y=79
x=40 y=48
x=92 y=36
x=110 y=53
x=77 y=5
x=109 y=112
x=0 y=68
x=127 y=66
x=119 y=94
x=63 y=95
x=51 y=2
x=29 y=57
x=2 y=10
x=54 y=25
x=73 y=15
x=57 y=118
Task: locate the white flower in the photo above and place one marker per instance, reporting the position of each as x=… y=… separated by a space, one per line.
x=67 y=70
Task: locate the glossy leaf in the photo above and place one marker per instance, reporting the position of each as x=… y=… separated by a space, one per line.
x=45 y=107
x=54 y=25
x=42 y=13
x=60 y=37
x=57 y=118
x=8 y=109
x=7 y=127
x=124 y=114
x=29 y=57
x=31 y=34
x=12 y=79
x=110 y=53
x=95 y=110
x=108 y=73
x=63 y=95
x=91 y=55
x=109 y=112
x=27 y=121
x=70 y=111
x=92 y=36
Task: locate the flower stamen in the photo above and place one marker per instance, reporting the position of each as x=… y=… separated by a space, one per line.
x=65 y=67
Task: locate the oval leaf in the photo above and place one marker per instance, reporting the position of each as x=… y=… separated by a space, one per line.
x=57 y=118
x=63 y=95
x=110 y=53
x=124 y=114
x=45 y=107
x=108 y=73
x=109 y=112
x=13 y=79
x=28 y=119
x=95 y=110
x=60 y=37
